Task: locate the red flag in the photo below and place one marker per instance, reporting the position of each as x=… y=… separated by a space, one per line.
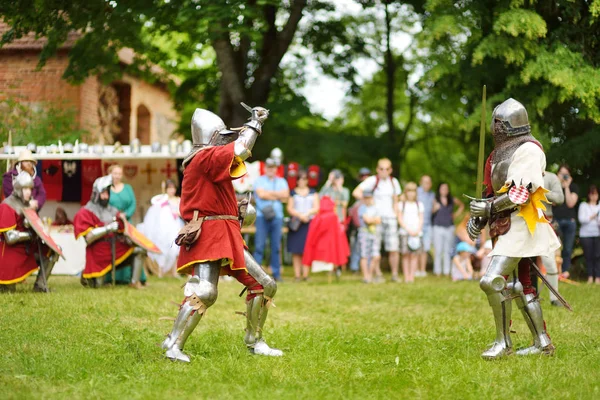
x=314 y=174
x=292 y=174
x=91 y=169
x=52 y=179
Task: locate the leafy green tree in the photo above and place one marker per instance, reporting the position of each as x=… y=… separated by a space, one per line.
x=248 y=38
x=42 y=124
x=545 y=54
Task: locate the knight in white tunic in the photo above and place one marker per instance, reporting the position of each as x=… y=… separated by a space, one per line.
x=518 y=227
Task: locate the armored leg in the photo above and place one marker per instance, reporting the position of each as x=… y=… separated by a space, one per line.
x=137 y=266
x=494 y=286
x=257 y=309
x=200 y=293
x=531 y=309
x=41 y=282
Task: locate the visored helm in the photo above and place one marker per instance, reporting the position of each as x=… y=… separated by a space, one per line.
x=100 y=185
x=510 y=119
x=21 y=181
x=204 y=125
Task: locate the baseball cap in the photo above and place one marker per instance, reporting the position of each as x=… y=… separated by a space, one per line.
x=269 y=162
x=364 y=171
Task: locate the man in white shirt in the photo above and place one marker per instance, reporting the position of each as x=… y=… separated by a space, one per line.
x=386 y=192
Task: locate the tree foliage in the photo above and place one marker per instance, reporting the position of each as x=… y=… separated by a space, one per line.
x=421 y=108
x=545 y=54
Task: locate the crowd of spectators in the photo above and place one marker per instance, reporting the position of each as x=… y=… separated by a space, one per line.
x=411 y=226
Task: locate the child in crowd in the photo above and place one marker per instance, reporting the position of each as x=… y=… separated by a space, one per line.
x=410 y=220
x=369 y=244
x=462 y=269
x=483 y=254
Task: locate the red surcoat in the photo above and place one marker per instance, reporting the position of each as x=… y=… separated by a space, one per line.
x=17 y=262
x=207 y=187
x=98 y=257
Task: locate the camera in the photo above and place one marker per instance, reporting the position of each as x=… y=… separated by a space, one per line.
x=565 y=176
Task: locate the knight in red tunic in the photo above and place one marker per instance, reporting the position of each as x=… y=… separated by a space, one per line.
x=97 y=223
x=211 y=241
x=20 y=254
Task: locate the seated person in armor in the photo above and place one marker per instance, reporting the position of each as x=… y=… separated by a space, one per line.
x=97 y=223
x=19 y=252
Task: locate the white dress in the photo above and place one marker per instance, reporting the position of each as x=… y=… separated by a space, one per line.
x=527 y=166
x=161 y=225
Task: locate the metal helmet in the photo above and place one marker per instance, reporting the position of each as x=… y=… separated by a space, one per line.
x=22 y=180
x=100 y=185
x=512 y=117
x=277 y=155
x=204 y=125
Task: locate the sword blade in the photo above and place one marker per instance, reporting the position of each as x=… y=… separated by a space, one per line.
x=113 y=251
x=481 y=159
x=549 y=286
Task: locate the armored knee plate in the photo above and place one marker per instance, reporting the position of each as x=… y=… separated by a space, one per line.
x=200 y=293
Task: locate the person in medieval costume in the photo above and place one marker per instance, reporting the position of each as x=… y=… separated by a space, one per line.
x=514 y=176
x=21 y=255
x=98 y=224
x=211 y=241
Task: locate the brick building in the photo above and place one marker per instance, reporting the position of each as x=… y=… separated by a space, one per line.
x=126 y=109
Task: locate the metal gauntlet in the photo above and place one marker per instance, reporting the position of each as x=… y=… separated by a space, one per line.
x=475 y=226
x=14 y=236
x=251 y=130
x=485 y=209
x=100 y=232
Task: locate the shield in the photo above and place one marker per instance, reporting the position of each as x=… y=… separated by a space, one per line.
x=36 y=224
x=130 y=170
x=137 y=237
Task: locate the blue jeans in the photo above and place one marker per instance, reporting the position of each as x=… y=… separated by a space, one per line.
x=567 y=229
x=272 y=230
x=355 y=253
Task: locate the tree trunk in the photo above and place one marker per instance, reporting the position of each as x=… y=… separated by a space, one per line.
x=390 y=71
x=234 y=86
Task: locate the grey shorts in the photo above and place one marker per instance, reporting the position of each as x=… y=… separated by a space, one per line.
x=388 y=234
x=368 y=244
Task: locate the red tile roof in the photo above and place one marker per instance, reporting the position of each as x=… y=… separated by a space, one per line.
x=29 y=41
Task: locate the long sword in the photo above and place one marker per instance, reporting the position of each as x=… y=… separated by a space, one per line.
x=548 y=285
x=481 y=159
x=113 y=255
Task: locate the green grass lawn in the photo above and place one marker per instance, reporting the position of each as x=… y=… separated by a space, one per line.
x=342 y=340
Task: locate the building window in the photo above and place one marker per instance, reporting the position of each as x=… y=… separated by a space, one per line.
x=143 y=124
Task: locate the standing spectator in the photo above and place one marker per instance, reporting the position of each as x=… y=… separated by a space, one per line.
x=427 y=197
x=462 y=269
x=302 y=206
x=555 y=198
x=355 y=224
x=386 y=191
x=589 y=234
x=26 y=162
x=443 y=227
x=326 y=242
x=410 y=218
x=566 y=215
x=122 y=198
x=270 y=191
x=368 y=240
x=334 y=188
